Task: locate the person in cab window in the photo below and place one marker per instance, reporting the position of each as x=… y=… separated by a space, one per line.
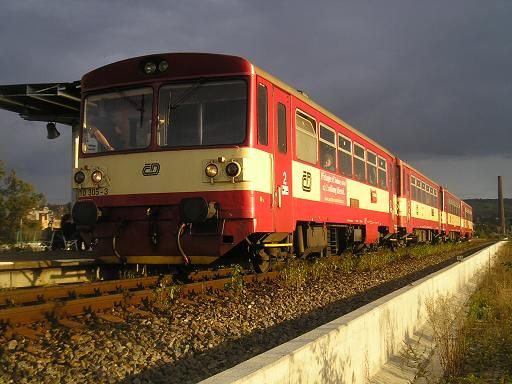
x=109 y=132
x=328 y=162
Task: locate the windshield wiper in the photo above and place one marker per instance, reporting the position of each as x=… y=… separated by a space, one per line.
x=186 y=95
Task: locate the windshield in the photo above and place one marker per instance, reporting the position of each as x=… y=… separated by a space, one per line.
x=117 y=121
x=202 y=113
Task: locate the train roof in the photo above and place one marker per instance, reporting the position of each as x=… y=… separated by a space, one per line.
x=191 y=64
x=300 y=95
x=59 y=102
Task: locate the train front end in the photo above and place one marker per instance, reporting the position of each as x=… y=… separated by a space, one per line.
x=166 y=171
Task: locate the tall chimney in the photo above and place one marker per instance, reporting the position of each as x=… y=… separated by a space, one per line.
x=501 y=206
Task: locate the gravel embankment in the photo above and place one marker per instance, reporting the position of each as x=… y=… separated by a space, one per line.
x=192 y=340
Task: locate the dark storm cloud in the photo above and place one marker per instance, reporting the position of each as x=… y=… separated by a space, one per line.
x=422 y=78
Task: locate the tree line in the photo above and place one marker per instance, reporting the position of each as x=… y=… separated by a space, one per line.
x=17 y=199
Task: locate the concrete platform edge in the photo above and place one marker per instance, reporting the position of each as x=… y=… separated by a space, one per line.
x=352 y=348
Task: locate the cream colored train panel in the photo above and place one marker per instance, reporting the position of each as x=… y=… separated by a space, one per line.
x=424 y=212
x=178 y=171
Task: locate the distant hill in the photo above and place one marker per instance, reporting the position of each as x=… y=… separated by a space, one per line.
x=485 y=211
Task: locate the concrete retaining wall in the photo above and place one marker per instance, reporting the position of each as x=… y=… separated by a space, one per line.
x=354 y=347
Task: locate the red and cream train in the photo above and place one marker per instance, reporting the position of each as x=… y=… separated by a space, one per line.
x=187 y=157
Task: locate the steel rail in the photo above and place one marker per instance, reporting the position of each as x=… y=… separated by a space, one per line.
x=58 y=310
x=41 y=294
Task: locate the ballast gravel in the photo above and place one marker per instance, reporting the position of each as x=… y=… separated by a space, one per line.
x=190 y=340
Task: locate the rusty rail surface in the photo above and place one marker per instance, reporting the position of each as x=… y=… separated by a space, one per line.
x=42 y=294
x=108 y=294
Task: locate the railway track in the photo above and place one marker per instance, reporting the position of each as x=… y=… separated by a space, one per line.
x=59 y=304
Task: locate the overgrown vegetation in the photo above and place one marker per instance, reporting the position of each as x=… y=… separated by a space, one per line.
x=298 y=272
x=474 y=343
x=166 y=293
x=449 y=333
x=488 y=327
x=236 y=280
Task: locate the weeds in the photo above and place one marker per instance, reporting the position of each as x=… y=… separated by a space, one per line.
x=416 y=359
x=166 y=293
x=299 y=271
x=294 y=274
x=449 y=334
x=236 y=282
x=475 y=348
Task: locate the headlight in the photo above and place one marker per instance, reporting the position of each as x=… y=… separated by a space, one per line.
x=211 y=170
x=150 y=67
x=97 y=176
x=162 y=66
x=233 y=169
x=79 y=177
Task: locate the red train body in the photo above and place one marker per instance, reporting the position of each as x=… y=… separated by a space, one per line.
x=214 y=154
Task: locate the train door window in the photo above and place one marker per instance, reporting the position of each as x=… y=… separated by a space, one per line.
x=423 y=194
x=413 y=188
x=359 y=162
x=306 y=143
x=281 y=128
x=345 y=155
x=371 y=167
x=262 y=114
x=382 y=173
x=327 y=148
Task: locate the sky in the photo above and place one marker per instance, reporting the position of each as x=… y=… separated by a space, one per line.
x=429 y=80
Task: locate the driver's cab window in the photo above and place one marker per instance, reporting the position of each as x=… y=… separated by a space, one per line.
x=117 y=121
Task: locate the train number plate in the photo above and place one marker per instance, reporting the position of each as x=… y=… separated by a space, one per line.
x=83 y=192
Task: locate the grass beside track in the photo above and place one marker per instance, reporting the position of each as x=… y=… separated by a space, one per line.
x=299 y=272
x=485 y=335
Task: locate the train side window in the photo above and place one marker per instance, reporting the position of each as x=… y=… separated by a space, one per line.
x=306 y=145
x=371 y=167
x=359 y=162
x=345 y=155
x=262 y=114
x=382 y=173
x=327 y=148
x=281 y=128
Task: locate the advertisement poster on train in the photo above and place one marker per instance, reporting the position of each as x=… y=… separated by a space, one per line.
x=333 y=188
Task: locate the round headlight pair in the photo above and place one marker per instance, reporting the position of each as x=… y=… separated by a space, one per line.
x=150 y=67
x=96 y=177
x=233 y=169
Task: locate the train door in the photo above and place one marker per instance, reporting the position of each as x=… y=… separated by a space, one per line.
x=444 y=215
x=408 y=196
x=283 y=212
x=392 y=196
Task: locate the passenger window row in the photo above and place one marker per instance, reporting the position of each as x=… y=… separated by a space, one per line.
x=424 y=193
x=337 y=152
